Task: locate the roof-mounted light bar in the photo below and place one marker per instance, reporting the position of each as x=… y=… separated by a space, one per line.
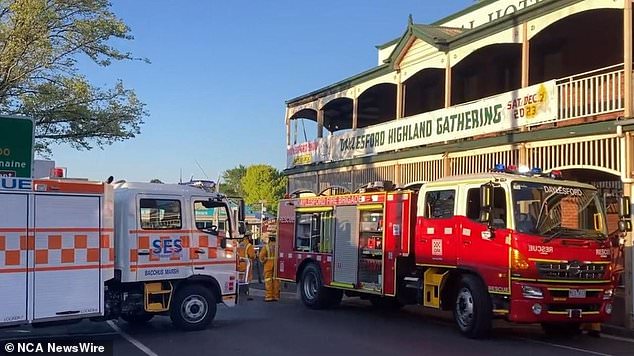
x=526 y=171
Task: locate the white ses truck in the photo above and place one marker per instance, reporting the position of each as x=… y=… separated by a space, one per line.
x=73 y=249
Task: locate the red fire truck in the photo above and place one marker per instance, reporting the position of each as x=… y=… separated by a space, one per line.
x=525 y=247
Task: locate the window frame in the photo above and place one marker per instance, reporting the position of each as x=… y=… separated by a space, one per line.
x=427 y=213
x=144 y=226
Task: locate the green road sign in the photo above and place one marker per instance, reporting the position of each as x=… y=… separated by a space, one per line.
x=16 y=146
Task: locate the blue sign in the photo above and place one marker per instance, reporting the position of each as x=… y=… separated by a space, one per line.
x=8 y=183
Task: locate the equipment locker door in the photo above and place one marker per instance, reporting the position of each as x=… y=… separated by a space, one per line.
x=67 y=279
x=346 y=260
x=13 y=252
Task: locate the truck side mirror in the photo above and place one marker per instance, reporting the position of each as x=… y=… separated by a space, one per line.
x=624 y=207
x=625 y=226
x=486 y=203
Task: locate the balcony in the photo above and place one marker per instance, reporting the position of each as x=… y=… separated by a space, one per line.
x=592 y=96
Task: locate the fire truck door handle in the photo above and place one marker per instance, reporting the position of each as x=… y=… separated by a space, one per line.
x=466 y=242
x=200 y=250
x=143 y=253
x=423 y=241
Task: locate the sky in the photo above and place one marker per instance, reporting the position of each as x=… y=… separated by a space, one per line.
x=221 y=72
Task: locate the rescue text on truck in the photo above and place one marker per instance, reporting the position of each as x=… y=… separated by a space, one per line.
x=74 y=249
x=525 y=247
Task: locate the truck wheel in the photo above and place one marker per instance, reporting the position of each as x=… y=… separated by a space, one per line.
x=137 y=319
x=473 y=311
x=561 y=329
x=314 y=294
x=193 y=308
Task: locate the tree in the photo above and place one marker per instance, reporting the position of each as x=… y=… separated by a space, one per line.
x=232 y=178
x=263 y=182
x=156 y=180
x=40 y=43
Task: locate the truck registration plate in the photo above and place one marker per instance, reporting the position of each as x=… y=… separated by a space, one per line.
x=577 y=293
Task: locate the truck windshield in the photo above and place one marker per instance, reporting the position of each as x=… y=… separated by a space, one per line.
x=552 y=211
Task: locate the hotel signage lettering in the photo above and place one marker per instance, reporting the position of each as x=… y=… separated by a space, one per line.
x=490 y=13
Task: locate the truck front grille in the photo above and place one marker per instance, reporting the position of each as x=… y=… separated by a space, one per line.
x=573 y=270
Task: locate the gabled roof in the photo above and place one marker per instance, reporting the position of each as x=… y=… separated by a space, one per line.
x=437 y=33
x=427 y=33
x=437 y=36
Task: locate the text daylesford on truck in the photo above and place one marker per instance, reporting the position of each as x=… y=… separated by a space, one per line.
x=514 y=243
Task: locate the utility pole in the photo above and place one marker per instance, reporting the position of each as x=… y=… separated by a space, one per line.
x=262 y=210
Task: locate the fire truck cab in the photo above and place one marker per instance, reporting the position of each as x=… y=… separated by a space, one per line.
x=523 y=247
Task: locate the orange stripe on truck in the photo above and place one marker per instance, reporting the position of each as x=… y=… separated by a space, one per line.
x=76 y=267
x=12 y=229
x=71 y=229
x=166 y=231
x=55 y=268
x=71 y=187
x=182 y=264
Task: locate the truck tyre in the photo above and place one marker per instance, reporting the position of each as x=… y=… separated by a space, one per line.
x=473 y=311
x=137 y=319
x=561 y=329
x=193 y=308
x=314 y=294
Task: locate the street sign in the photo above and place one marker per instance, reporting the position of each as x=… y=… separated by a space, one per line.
x=16 y=146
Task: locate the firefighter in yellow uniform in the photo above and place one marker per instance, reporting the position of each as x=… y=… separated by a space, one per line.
x=271 y=284
x=246 y=250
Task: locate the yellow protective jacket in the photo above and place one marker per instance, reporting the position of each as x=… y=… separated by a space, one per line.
x=267 y=256
x=246 y=250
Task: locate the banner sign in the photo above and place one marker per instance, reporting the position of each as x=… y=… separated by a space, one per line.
x=16 y=146
x=504 y=112
x=302 y=154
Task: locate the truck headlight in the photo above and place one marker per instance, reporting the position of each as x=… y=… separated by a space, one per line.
x=608 y=294
x=532 y=292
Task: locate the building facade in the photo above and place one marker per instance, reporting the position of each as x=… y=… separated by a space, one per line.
x=541 y=83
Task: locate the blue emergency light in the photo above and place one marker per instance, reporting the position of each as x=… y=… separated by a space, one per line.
x=499 y=168
x=523 y=170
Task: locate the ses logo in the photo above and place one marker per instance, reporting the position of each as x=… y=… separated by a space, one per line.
x=167 y=247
